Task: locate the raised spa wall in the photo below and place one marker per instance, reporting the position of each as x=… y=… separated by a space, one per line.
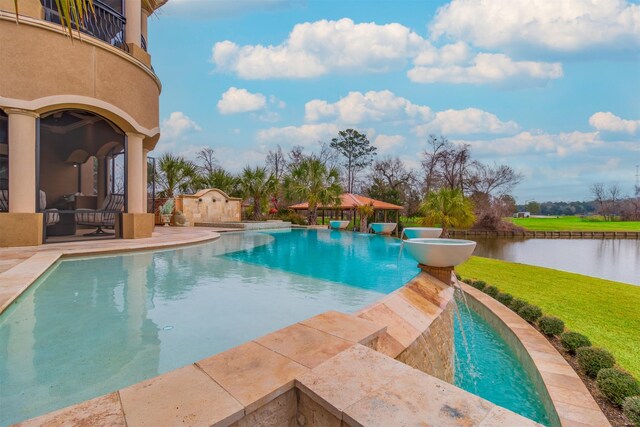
x=390 y=361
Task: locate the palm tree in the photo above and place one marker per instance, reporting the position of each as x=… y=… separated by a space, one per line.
x=73 y=12
x=220 y=179
x=257 y=184
x=312 y=181
x=447 y=208
x=175 y=175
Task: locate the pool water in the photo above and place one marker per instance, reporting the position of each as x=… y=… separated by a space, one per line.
x=91 y=326
x=488 y=367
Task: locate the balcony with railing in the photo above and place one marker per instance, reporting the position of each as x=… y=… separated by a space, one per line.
x=108 y=23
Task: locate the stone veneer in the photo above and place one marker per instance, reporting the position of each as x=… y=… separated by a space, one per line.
x=380 y=367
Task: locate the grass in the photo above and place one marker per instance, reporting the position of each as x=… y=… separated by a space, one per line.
x=607 y=312
x=574 y=223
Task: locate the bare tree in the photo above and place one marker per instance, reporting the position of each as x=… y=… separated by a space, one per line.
x=431 y=161
x=207 y=159
x=295 y=157
x=615 y=194
x=446 y=165
x=496 y=180
x=276 y=162
x=390 y=180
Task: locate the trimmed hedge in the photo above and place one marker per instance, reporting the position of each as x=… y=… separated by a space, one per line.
x=631 y=409
x=593 y=359
x=504 y=298
x=530 y=313
x=517 y=304
x=617 y=385
x=572 y=341
x=468 y=281
x=492 y=291
x=478 y=284
x=550 y=325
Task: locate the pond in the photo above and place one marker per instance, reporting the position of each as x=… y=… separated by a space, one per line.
x=612 y=259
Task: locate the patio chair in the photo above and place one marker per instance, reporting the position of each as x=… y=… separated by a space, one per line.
x=104 y=217
x=51 y=216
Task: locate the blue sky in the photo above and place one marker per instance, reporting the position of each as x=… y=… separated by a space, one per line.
x=551 y=88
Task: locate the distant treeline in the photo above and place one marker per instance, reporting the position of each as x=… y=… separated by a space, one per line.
x=559 y=208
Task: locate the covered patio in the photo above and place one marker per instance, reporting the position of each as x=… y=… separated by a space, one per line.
x=348 y=209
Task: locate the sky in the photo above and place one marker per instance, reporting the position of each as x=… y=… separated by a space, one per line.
x=551 y=88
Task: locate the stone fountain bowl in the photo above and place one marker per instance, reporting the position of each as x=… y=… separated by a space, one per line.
x=338 y=225
x=383 y=227
x=439 y=252
x=421 y=232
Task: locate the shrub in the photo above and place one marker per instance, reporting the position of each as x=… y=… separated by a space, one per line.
x=617 y=385
x=492 y=291
x=530 y=313
x=631 y=409
x=592 y=359
x=517 y=304
x=459 y=277
x=550 y=325
x=479 y=284
x=468 y=281
x=572 y=341
x=504 y=298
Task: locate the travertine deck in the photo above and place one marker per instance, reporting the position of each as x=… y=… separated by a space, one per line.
x=323 y=371
x=572 y=401
x=20 y=267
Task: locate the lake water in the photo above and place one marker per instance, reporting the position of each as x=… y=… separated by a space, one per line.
x=612 y=259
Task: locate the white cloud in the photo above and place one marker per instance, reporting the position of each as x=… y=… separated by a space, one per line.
x=609 y=122
x=305 y=135
x=357 y=107
x=556 y=26
x=216 y=9
x=175 y=128
x=527 y=142
x=483 y=68
x=317 y=48
x=386 y=143
x=237 y=100
x=384 y=106
x=177 y=125
x=465 y=122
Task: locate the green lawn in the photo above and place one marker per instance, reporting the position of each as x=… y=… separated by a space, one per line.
x=607 y=312
x=574 y=223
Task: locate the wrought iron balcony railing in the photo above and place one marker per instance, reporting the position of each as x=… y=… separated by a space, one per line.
x=107 y=24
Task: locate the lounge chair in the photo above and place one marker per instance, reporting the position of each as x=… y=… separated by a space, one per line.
x=51 y=216
x=104 y=217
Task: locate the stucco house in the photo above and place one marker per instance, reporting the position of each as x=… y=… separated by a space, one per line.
x=77 y=118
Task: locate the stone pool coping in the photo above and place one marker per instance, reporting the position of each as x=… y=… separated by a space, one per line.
x=332 y=369
x=565 y=391
x=33 y=262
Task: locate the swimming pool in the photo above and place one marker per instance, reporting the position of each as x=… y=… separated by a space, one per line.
x=90 y=326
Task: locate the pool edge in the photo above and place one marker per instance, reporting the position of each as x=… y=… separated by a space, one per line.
x=19 y=278
x=562 y=391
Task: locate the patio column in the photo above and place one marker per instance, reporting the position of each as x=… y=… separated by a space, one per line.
x=22 y=160
x=145 y=177
x=22 y=225
x=133 y=28
x=102 y=180
x=136 y=222
x=135 y=183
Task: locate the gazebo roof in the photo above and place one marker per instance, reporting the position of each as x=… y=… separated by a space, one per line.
x=350 y=201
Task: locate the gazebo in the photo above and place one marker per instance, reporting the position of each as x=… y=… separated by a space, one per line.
x=350 y=203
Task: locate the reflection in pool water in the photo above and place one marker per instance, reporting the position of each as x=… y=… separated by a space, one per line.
x=612 y=259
